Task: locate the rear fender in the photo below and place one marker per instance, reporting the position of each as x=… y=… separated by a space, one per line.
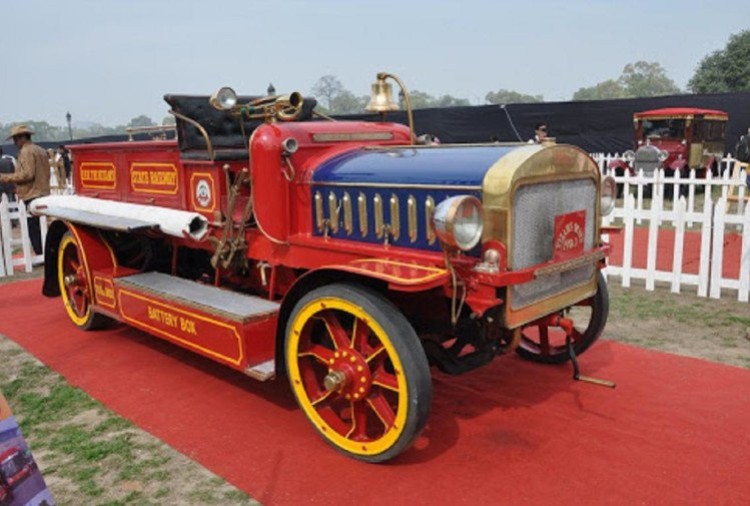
x=96 y=254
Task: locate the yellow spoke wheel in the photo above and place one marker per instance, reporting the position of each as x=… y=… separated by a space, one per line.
x=75 y=286
x=358 y=371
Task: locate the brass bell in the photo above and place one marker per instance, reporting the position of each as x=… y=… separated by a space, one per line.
x=381 y=100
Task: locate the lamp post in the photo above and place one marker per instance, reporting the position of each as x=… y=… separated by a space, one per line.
x=70 y=128
x=271 y=90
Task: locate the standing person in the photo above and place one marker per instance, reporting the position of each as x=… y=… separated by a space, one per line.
x=31 y=177
x=7 y=166
x=540 y=133
x=64 y=157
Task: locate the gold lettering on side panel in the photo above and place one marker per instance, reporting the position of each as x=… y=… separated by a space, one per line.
x=429 y=208
x=333 y=212
x=378 y=205
x=319 y=219
x=362 y=208
x=348 y=219
x=411 y=212
x=395 y=217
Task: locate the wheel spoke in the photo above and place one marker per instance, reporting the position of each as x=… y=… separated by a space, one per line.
x=325 y=394
x=360 y=333
x=543 y=340
x=385 y=380
x=318 y=352
x=576 y=336
x=358 y=431
x=382 y=408
x=376 y=353
x=335 y=330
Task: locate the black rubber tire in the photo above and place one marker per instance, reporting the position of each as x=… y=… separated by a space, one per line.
x=530 y=350
x=401 y=336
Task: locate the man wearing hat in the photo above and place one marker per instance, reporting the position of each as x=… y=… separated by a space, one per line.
x=31 y=177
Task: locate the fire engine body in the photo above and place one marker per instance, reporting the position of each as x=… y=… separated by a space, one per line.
x=337 y=252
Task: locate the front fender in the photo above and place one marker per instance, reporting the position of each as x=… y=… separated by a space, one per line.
x=678 y=165
x=619 y=165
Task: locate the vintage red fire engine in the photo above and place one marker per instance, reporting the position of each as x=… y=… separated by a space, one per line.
x=272 y=239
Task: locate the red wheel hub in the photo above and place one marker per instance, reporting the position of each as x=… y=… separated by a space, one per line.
x=348 y=374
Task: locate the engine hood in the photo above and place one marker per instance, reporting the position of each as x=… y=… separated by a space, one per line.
x=435 y=166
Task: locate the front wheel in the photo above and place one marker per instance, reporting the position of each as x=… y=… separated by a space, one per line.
x=358 y=371
x=547 y=344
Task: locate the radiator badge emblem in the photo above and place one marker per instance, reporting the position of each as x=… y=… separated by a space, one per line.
x=203 y=193
x=569 y=235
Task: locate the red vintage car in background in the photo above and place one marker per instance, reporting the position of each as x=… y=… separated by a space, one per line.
x=15 y=466
x=274 y=240
x=676 y=140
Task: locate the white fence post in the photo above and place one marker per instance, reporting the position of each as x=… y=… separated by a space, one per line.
x=25 y=242
x=744 y=285
x=6 y=257
x=717 y=253
x=703 y=268
x=627 y=247
x=679 y=242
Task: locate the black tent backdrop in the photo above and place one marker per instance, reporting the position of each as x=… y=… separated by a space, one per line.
x=595 y=126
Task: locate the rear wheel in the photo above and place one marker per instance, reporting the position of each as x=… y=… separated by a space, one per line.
x=547 y=344
x=358 y=371
x=74 y=281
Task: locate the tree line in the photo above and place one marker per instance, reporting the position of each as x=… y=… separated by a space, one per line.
x=722 y=71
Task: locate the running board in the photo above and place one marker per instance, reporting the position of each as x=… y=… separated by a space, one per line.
x=230 y=327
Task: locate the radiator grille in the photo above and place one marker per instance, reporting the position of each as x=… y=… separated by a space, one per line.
x=535 y=207
x=647 y=159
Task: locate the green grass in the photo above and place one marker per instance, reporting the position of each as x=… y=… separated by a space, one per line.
x=89 y=455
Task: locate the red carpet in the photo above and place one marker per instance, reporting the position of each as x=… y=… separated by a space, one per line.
x=675 y=431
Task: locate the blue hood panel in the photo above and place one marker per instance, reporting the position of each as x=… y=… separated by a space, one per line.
x=450 y=165
x=408 y=177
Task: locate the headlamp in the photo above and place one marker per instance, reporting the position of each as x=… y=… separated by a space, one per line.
x=223 y=99
x=608 y=195
x=459 y=222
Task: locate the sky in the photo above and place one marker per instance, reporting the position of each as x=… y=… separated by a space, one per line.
x=108 y=61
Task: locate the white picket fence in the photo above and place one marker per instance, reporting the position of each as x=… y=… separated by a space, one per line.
x=725 y=210
x=15 y=247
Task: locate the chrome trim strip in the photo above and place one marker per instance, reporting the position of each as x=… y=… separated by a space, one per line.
x=333 y=212
x=319 y=211
x=378 y=204
x=429 y=209
x=362 y=207
x=411 y=212
x=395 y=218
x=352 y=136
x=348 y=219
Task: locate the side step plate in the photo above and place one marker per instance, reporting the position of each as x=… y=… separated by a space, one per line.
x=230 y=305
x=232 y=328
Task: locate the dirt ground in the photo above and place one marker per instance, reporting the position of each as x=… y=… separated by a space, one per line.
x=684 y=324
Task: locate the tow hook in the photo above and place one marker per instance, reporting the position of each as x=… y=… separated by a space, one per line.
x=567 y=325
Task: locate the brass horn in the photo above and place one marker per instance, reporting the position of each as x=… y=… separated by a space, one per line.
x=283 y=108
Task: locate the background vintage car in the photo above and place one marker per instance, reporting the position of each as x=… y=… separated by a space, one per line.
x=676 y=140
